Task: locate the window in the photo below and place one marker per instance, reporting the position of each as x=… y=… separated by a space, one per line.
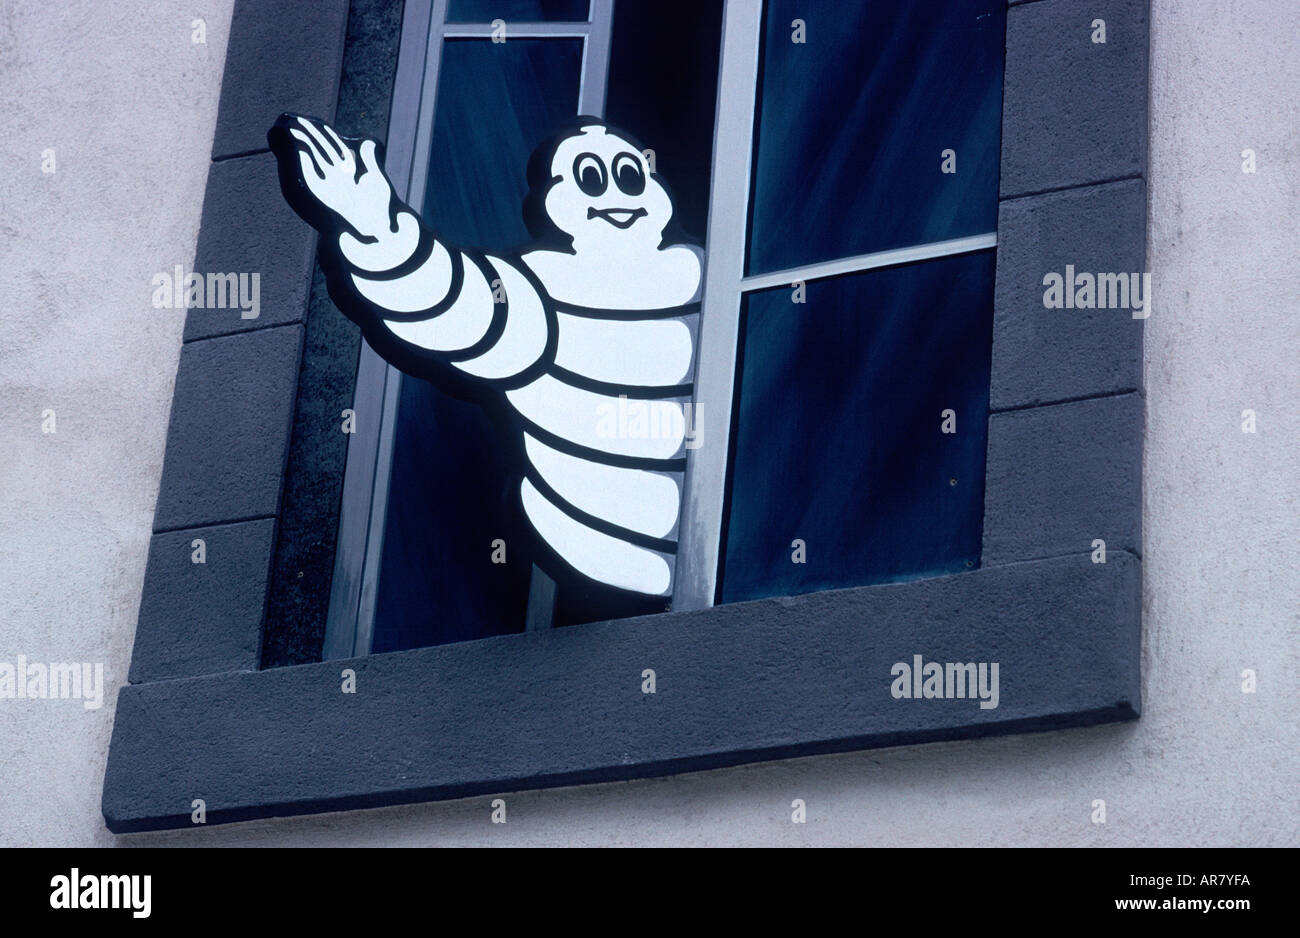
x=209 y=715
x=866 y=274
x=428 y=497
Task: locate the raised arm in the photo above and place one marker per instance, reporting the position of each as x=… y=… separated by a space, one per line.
x=423 y=305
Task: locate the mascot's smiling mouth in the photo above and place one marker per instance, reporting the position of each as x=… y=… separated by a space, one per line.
x=618 y=217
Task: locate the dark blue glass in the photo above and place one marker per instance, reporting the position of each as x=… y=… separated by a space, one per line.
x=518 y=11
x=496 y=102
x=663 y=89
x=451 y=493
x=851 y=125
x=836 y=433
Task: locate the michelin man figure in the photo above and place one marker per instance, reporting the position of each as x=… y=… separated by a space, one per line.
x=583 y=341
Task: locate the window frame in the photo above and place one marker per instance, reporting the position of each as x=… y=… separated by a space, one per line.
x=726 y=283
x=735 y=683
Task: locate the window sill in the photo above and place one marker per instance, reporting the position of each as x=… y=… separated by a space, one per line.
x=740 y=683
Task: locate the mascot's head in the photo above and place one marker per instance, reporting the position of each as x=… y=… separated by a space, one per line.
x=590 y=188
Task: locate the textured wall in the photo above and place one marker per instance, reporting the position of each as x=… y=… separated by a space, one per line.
x=127 y=101
x=130 y=113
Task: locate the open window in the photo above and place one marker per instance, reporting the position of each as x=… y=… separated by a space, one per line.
x=432 y=546
x=844 y=363
x=842 y=382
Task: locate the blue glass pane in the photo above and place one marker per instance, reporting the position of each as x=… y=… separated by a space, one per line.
x=496 y=102
x=450 y=498
x=836 y=433
x=852 y=123
x=517 y=11
x=663 y=89
x=451 y=494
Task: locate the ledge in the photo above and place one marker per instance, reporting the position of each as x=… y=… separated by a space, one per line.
x=737 y=683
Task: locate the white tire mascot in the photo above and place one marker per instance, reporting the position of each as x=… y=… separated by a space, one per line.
x=583 y=341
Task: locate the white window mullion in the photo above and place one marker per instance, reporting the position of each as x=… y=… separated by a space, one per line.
x=865 y=262
x=706 y=471
x=595 y=59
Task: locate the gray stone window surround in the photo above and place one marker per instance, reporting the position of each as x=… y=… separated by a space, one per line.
x=735 y=683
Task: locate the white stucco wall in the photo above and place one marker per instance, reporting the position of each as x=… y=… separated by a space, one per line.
x=128 y=103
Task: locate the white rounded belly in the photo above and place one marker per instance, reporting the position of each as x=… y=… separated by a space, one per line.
x=605 y=459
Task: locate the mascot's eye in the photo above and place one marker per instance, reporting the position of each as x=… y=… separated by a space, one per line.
x=628 y=175
x=589 y=173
